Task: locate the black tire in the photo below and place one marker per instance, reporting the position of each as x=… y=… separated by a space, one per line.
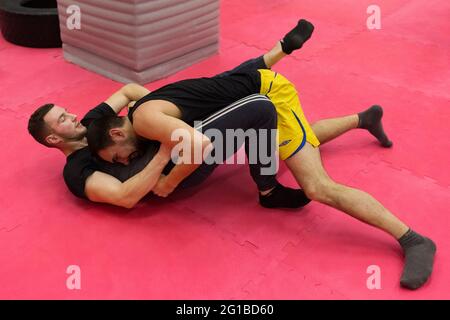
x=30 y=23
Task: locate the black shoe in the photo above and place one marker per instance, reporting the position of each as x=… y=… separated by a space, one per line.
x=295 y=38
x=284 y=197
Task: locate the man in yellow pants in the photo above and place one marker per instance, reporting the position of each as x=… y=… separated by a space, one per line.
x=293 y=128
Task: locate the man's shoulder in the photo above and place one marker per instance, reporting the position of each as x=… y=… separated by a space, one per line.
x=79 y=166
x=101 y=110
x=79 y=160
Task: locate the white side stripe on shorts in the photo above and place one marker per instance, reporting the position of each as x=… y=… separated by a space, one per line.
x=233 y=104
x=231 y=107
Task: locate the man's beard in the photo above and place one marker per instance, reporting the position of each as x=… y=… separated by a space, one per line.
x=76 y=137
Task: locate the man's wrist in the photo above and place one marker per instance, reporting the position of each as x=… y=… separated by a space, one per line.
x=161 y=159
x=171 y=182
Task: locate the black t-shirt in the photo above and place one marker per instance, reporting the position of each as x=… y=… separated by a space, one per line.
x=81 y=163
x=200 y=97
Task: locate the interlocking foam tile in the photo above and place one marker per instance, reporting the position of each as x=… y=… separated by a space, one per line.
x=60 y=233
x=343 y=12
x=37 y=77
x=284 y=282
x=397 y=64
x=248 y=225
x=215 y=241
x=131 y=265
x=401 y=24
x=70 y=98
x=340 y=249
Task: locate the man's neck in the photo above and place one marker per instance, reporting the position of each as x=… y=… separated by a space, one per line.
x=73 y=146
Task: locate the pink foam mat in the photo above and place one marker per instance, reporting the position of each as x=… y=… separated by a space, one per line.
x=216 y=242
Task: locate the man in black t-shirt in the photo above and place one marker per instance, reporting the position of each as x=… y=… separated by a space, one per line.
x=55 y=127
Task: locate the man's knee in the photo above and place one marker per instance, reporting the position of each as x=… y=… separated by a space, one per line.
x=321 y=190
x=265 y=110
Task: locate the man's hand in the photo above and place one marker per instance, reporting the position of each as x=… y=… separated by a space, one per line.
x=163 y=188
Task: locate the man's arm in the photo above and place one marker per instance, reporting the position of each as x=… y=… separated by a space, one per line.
x=153 y=124
x=102 y=187
x=128 y=93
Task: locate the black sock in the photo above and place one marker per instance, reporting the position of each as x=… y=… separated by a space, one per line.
x=419 y=257
x=284 y=197
x=297 y=36
x=371 y=120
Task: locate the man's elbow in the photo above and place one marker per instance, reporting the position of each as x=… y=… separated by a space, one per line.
x=120 y=199
x=129 y=85
x=128 y=89
x=134 y=91
x=126 y=203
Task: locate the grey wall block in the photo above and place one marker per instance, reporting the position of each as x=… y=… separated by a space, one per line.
x=140 y=40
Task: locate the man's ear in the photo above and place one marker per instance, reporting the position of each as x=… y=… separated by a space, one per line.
x=53 y=139
x=117 y=134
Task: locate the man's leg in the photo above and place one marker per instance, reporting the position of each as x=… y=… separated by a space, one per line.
x=256 y=113
x=370 y=119
x=292 y=41
x=306 y=165
x=329 y=129
x=274 y=56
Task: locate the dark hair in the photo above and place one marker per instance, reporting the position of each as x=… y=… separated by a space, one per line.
x=37 y=126
x=98 y=132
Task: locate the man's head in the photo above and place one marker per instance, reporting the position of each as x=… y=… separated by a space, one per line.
x=113 y=139
x=54 y=126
